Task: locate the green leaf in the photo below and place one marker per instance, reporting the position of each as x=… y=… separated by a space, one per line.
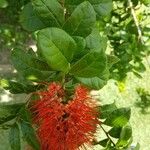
x=115 y=132
x=50 y=11
x=57 y=50
x=81 y=20
x=14 y=137
x=27 y=130
x=118 y=117
x=65 y=44
x=29 y=19
x=111 y=60
x=107 y=109
x=125 y=135
x=8 y=112
x=102 y=7
x=95 y=83
x=81 y=43
x=29 y=134
x=3 y=3
x=95 y=42
x=104 y=142
x=29 y=66
x=18 y=87
x=91 y=65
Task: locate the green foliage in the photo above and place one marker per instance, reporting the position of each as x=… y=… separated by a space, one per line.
x=16 y=87
x=72 y=39
x=27 y=130
x=50 y=12
x=29 y=66
x=14 y=137
x=29 y=19
x=8 y=112
x=121 y=131
x=81 y=21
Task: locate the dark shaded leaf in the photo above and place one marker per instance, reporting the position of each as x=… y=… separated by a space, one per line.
x=29 y=19
x=115 y=132
x=29 y=134
x=27 y=130
x=15 y=87
x=14 y=137
x=29 y=66
x=8 y=112
x=104 y=142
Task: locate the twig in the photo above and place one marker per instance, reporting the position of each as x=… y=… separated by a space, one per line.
x=135 y=21
x=108 y=135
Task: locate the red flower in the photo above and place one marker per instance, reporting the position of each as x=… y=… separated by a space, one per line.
x=64 y=126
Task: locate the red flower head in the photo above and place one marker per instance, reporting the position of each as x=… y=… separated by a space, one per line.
x=64 y=126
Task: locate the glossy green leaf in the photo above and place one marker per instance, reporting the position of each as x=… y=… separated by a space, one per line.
x=29 y=66
x=14 y=137
x=29 y=19
x=95 y=83
x=91 y=65
x=102 y=7
x=106 y=110
x=57 y=50
x=81 y=20
x=50 y=11
x=125 y=135
x=8 y=112
x=118 y=117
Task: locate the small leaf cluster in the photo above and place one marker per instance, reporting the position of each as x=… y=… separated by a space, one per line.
x=17 y=119
x=115 y=124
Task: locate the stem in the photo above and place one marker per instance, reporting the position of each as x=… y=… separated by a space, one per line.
x=28 y=99
x=107 y=135
x=135 y=21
